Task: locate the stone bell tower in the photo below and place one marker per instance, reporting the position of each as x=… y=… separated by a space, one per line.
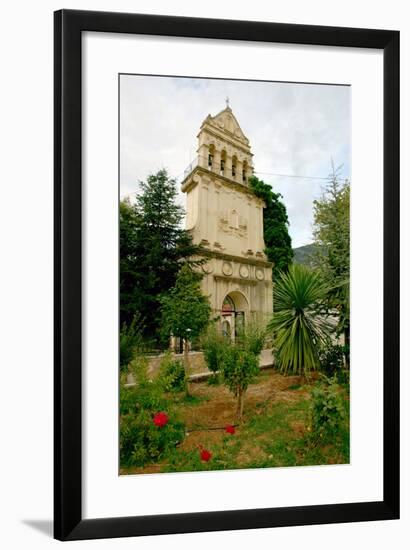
x=226 y=218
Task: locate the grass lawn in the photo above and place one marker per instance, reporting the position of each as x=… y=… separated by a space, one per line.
x=273 y=433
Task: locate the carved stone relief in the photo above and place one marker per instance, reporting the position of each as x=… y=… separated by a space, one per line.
x=232 y=223
x=227 y=269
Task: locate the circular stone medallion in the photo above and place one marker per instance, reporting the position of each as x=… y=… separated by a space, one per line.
x=244 y=271
x=207 y=268
x=227 y=269
x=259 y=274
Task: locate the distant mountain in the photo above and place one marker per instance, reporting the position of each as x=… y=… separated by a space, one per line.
x=303 y=254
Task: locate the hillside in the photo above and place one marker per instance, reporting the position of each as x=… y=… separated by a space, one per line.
x=303 y=254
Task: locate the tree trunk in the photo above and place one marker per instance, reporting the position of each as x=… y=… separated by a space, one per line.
x=186 y=364
x=239 y=405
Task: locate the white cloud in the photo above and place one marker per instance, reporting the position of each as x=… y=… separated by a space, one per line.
x=294 y=129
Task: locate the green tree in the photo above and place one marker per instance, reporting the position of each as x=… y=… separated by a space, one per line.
x=298 y=329
x=237 y=362
x=131 y=341
x=275 y=226
x=152 y=247
x=130 y=250
x=332 y=235
x=185 y=311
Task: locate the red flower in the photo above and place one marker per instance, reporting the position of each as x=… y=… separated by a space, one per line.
x=205 y=455
x=230 y=429
x=160 y=419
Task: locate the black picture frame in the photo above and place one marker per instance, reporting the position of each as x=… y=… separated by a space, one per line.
x=68 y=521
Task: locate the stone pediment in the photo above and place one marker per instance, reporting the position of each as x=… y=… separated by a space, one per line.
x=225 y=121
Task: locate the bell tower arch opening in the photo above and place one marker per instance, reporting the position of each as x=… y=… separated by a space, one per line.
x=234 y=314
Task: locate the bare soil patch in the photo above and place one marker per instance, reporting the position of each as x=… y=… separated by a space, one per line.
x=219 y=409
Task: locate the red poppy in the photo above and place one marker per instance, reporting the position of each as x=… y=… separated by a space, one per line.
x=160 y=419
x=230 y=429
x=205 y=455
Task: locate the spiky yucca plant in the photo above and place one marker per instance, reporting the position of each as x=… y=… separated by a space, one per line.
x=298 y=331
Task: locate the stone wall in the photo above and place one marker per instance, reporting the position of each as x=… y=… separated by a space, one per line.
x=197 y=366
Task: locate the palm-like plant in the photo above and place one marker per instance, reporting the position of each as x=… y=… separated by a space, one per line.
x=299 y=331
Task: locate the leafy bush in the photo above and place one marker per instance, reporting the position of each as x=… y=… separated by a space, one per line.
x=145 y=394
x=236 y=362
x=213 y=343
x=149 y=426
x=332 y=361
x=172 y=376
x=253 y=337
x=130 y=340
x=214 y=379
x=142 y=441
x=327 y=411
x=238 y=368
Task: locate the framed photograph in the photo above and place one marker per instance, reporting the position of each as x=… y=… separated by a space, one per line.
x=226 y=275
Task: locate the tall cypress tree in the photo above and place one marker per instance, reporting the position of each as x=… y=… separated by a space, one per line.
x=275 y=226
x=152 y=247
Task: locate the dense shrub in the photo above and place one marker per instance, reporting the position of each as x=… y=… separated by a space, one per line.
x=148 y=425
x=327 y=411
x=333 y=362
x=172 y=376
x=130 y=340
x=213 y=343
x=142 y=441
x=253 y=337
x=214 y=379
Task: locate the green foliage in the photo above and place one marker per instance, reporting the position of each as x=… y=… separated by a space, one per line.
x=152 y=246
x=185 y=310
x=252 y=337
x=276 y=435
x=213 y=380
x=147 y=394
x=213 y=343
x=275 y=226
x=238 y=361
x=141 y=441
x=332 y=237
x=239 y=367
x=172 y=375
x=332 y=360
x=131 y=340
x=327 y=411
x=298 y=331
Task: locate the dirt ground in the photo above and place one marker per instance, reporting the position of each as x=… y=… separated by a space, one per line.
x=219 y=410
x=219 y=405
x=215 y=409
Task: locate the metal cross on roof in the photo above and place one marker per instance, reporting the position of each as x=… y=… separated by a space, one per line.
x=227 y=101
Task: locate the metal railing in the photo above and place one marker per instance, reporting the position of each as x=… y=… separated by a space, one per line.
x=191 y=167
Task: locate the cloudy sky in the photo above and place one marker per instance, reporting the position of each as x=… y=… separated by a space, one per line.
x=294 y=130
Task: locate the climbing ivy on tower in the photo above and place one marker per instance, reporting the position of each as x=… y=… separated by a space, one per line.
x=275 y=226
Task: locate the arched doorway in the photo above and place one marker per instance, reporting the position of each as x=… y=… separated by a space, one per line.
x=234 y=314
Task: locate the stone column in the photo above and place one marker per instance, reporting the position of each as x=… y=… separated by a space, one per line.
x=239 y=167
x=216 y=167
x=203 y=156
